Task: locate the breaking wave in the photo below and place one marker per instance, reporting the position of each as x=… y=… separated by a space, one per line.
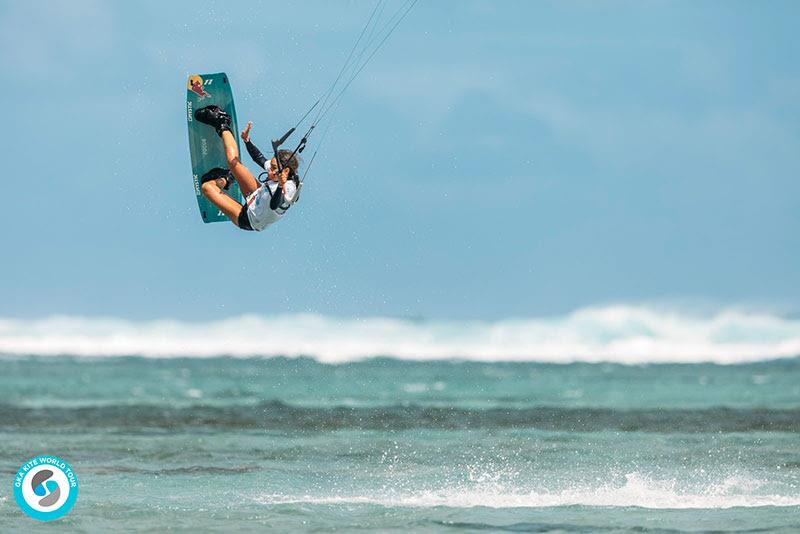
x=637 y=489
x=622 y=334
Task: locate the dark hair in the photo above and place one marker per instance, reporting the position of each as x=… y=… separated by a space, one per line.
x=289 y=160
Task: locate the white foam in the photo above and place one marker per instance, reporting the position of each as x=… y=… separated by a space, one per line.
x=637 y=491
x=622 y=333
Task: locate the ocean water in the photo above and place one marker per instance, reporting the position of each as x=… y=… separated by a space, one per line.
x=183 y=440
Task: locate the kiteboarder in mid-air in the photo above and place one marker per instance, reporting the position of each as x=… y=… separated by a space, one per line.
x=264 y=203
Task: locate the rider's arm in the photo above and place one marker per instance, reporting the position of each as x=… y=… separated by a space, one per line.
x=254 y=152
x=256 y=155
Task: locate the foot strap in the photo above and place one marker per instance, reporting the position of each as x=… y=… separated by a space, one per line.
x=217 y=172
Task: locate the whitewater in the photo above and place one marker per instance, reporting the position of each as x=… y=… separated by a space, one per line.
x=620 y=333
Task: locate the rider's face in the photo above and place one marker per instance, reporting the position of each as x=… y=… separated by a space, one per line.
x=273 y=169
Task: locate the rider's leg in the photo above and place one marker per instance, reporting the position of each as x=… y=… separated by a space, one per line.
x=247 y=182
x=213 y=192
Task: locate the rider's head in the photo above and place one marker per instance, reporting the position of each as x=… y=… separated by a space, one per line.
x=287 y=160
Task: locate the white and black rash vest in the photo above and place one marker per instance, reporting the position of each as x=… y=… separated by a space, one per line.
x=258 y=202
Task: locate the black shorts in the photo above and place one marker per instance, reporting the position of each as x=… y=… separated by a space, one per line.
x=243 y=220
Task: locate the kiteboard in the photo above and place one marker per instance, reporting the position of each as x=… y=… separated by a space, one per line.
x=205 y=146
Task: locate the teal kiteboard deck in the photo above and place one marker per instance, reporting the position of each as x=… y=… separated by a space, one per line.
x=205 y=146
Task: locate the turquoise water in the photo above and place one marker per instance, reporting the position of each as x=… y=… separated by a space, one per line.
x=230 y=444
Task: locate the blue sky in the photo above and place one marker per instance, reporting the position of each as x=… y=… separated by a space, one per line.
x=496 y=159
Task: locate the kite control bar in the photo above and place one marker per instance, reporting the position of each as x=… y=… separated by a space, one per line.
x=276 y=143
